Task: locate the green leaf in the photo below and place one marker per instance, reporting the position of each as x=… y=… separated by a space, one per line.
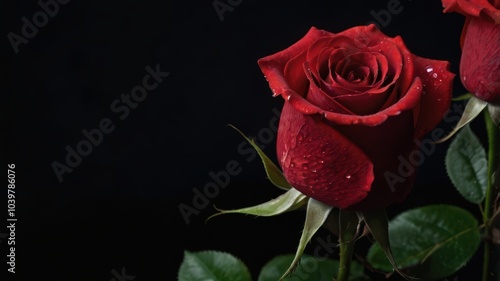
x=472 y=110
x=377 y=223
x=316 y=214
x=430 y=242
x=274 y=174
x=310 y=268
x=212 y=265
x=288 y=201
x=467 y=166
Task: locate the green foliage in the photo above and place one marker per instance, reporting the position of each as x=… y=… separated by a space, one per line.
x=430 y=242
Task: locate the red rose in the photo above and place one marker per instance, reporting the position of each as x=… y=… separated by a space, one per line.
x=356 y=103
x=480 y=61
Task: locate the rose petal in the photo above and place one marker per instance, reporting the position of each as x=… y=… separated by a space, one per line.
x=437 y=81
x=408 y=102
x=364 y=104
x=318 y=97
x=473 y=8
x=480 y=61
x=407 y=70
x=294 y=74
x=331 y=169
x=394 y=61
x=273 y=66
x=385 y=149
x=368 y=35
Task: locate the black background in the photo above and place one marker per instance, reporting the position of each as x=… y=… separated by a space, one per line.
x=119 y=208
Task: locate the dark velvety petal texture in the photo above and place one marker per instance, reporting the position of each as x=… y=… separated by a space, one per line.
x=320 y=162
x=388 y=151
x=480 y=61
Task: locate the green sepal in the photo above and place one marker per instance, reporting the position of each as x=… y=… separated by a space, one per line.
x=316 y=214
x=473 y=108
x=274 y=174
x=378 y=224
x=494 y=111
x=463 y=97
x=288 y=201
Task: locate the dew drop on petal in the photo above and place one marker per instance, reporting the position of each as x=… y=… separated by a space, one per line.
x=429 y=68
x=300 y=138
x=348 y=176
x=305 y=166
x=434 y=75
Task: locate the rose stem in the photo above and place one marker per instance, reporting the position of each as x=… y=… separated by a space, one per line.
x=493 y=155
x=346 y=251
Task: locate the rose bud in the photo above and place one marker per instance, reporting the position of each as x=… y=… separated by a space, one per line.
x=357 y=107
x=480 y=42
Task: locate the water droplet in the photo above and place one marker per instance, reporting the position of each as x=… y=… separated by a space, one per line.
x=321 y=161
x=418 y=87
x=305 y=166
x=348 y=176
x=429 y=68
x=292 y=165
x=300 y=138
x=288 y=98
x=464 y=78
x=434 y=75
x=314 y=170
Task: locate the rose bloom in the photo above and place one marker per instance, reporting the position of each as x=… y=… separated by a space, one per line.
x=357 y=105
x=480 y=61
